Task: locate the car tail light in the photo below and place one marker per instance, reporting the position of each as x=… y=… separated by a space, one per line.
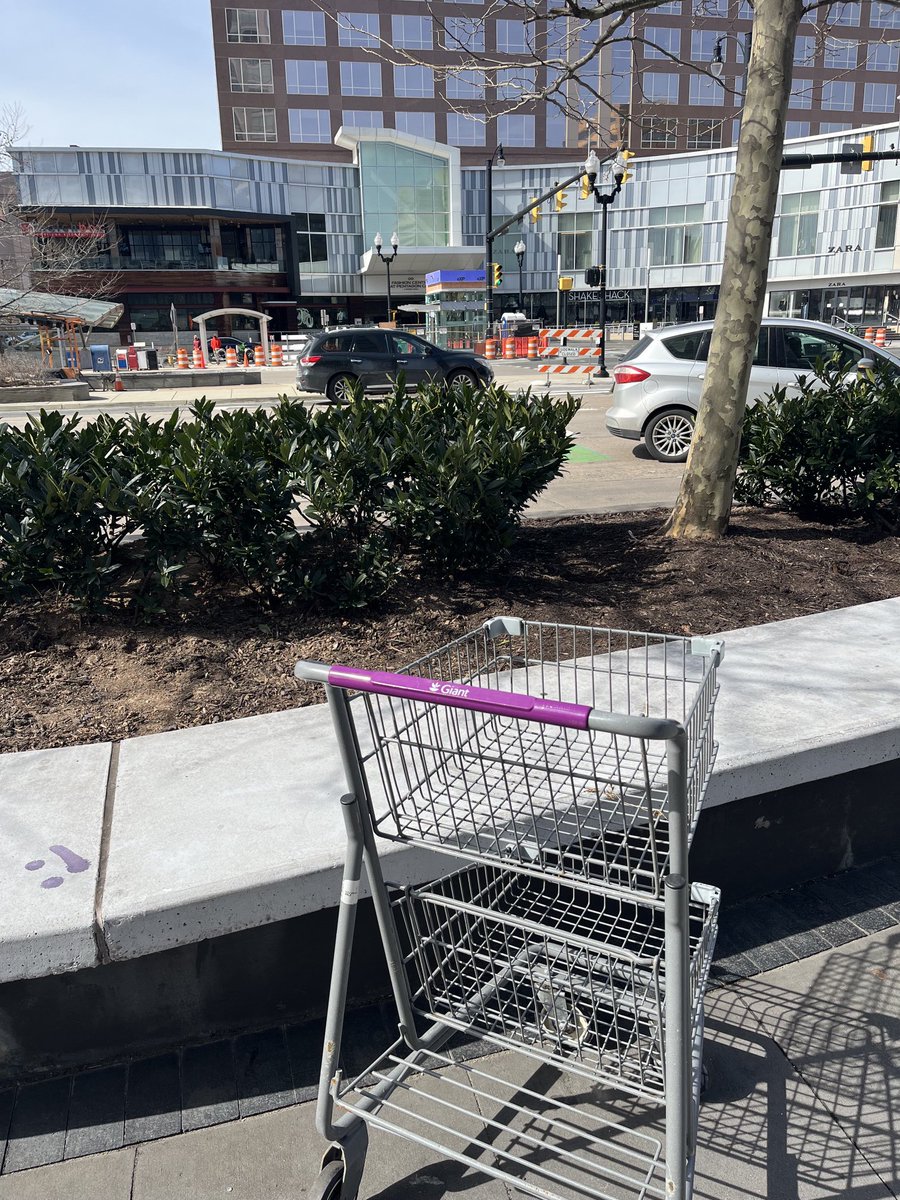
x=308 y=359
x=628 y=374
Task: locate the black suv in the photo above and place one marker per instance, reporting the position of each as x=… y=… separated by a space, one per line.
x=334 y=360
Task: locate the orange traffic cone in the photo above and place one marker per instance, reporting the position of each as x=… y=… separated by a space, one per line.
x=246 y=358
x=118 y=386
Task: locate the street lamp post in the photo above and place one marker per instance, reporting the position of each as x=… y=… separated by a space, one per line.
x=387 y=259
x=497 y=157
x=604 y=199
x=519 y=251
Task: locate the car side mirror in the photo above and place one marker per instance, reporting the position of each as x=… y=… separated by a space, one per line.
x=865 y=364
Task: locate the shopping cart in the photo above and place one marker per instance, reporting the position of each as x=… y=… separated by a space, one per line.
x=566 y=766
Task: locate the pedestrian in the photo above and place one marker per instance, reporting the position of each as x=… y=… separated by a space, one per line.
x=197 y=345
x=215 y=343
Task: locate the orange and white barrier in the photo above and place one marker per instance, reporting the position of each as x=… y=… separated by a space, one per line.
x=182 y=357
x=490 y=348
x=869 y=335
x=577 y=334
x=259 y=356
x=880 y=337
x=565 y=369
x=198 y=362
x=230 y=356
x=276 y=356
x=509 y=347
x=532 y=347
x=576 y=351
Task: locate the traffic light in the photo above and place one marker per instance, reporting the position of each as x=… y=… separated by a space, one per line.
x=625 y=157
x=535 y=212
x=564 y=283
x=592 y=277
x=497 y=272
x=868 y=143
x=560 y=201
x=586 y=190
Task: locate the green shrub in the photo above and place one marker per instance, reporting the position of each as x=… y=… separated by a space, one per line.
x=320 y=507
x=831 y=451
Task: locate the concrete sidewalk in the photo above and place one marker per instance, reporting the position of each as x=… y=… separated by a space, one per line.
x=804 y=1087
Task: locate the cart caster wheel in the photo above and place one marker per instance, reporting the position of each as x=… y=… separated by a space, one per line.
x=328 y=1183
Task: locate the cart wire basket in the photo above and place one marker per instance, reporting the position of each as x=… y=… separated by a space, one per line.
x=563 y=974
x=589 y=803
x=566 y=766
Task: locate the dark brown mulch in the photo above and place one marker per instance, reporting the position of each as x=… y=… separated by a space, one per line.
x=67 y=678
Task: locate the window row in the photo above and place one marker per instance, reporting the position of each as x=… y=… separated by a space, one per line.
x=309 y=77
x=315 y=125
x=408 y=32
x=664 y=43
x=661 y=133
x=837 y=95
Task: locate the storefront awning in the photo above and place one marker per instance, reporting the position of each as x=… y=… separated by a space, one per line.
x=420 y=260
x=98 y=314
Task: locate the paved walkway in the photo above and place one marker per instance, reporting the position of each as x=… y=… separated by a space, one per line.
x=804 y=1084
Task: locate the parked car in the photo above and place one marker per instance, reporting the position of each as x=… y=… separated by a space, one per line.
x=656 y=386
x=334 y=360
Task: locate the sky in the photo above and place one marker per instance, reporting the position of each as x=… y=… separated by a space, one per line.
x=111 y=73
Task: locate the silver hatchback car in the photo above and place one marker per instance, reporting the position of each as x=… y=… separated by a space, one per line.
x=656 y=386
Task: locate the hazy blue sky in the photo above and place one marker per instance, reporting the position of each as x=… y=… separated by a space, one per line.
x=108 y=73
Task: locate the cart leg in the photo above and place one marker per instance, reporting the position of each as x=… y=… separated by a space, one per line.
x=350 y=1155
x=340 y=971
x=679 y=1090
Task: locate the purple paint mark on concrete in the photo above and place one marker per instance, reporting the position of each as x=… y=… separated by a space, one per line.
x=74 y=862
x=52 y=882
x=35 y=865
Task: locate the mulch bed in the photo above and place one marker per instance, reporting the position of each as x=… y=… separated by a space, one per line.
x=67 y=677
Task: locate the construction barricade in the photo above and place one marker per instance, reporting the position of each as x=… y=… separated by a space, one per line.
x=182 y=359
x=276 y=357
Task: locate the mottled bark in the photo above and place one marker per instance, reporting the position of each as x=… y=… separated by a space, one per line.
x=704 y=501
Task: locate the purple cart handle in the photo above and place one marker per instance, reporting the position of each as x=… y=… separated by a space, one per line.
x=462 y=695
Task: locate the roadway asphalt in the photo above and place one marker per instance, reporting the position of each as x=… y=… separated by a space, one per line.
x=603 y=474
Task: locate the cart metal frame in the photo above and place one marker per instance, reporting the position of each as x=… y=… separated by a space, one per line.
x=451 y=723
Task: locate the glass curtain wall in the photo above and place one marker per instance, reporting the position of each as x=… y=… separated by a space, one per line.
x=404 y=190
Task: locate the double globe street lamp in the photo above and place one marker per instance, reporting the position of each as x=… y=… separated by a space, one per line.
x=519 y=251
x=387 y=259
x=619 y=170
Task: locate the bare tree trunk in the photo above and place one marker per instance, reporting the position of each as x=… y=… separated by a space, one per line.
x=704 y=502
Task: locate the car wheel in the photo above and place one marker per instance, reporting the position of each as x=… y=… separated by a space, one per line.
x=340 y=389
x=461 y=379
x=668 y=435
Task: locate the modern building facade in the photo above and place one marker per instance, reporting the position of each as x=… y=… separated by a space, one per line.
x=846 y=69
x=204 y=229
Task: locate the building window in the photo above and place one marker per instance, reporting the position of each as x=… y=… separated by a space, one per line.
x=464 y=33
x=413 y=82
x=840 y=54
x=247 y=25
x=465 y=85
x=358 y=29
x=670 y=9
x=660 y=42
x=884 y=16
x=305 y=77
x=659 y=133
x=251 y=74
x=419 y=124
x=804 y=51
x=883 y=56
x=801 y=94
x=513 y=38
x=575 y=243
x=554 y=126
x=799 y=224
x=838 y=94
x=844 y=12
x=703 y=134
x=796 y=129
x=254 y=125
x=659 y=87
x=303 y=28
x=312 y=244
x=886 y=229
x=363 y=118
x=309 y=124
x=834 y=126
x=412 y=33
x=515 y=129
x=360 y=79
x=620 y=76
x=703 y=44
x=676 y=234
x=879 y=97
x=745 y=10
x=705 y=91
x=465 y=130
x=515 y=83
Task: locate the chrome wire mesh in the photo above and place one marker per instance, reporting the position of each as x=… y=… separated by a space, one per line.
x=572 y=803
x=567 y=975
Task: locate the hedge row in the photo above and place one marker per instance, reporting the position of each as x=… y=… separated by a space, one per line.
x=317 y=506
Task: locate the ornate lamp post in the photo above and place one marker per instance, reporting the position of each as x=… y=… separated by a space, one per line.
x=387 y=259
x=519 y=251
x=592 y=170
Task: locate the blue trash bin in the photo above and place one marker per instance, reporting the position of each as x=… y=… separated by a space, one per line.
x=101 y=359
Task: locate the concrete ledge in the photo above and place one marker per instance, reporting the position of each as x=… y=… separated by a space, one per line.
x=234 y=826
x=45 y=393
x=149 y=381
